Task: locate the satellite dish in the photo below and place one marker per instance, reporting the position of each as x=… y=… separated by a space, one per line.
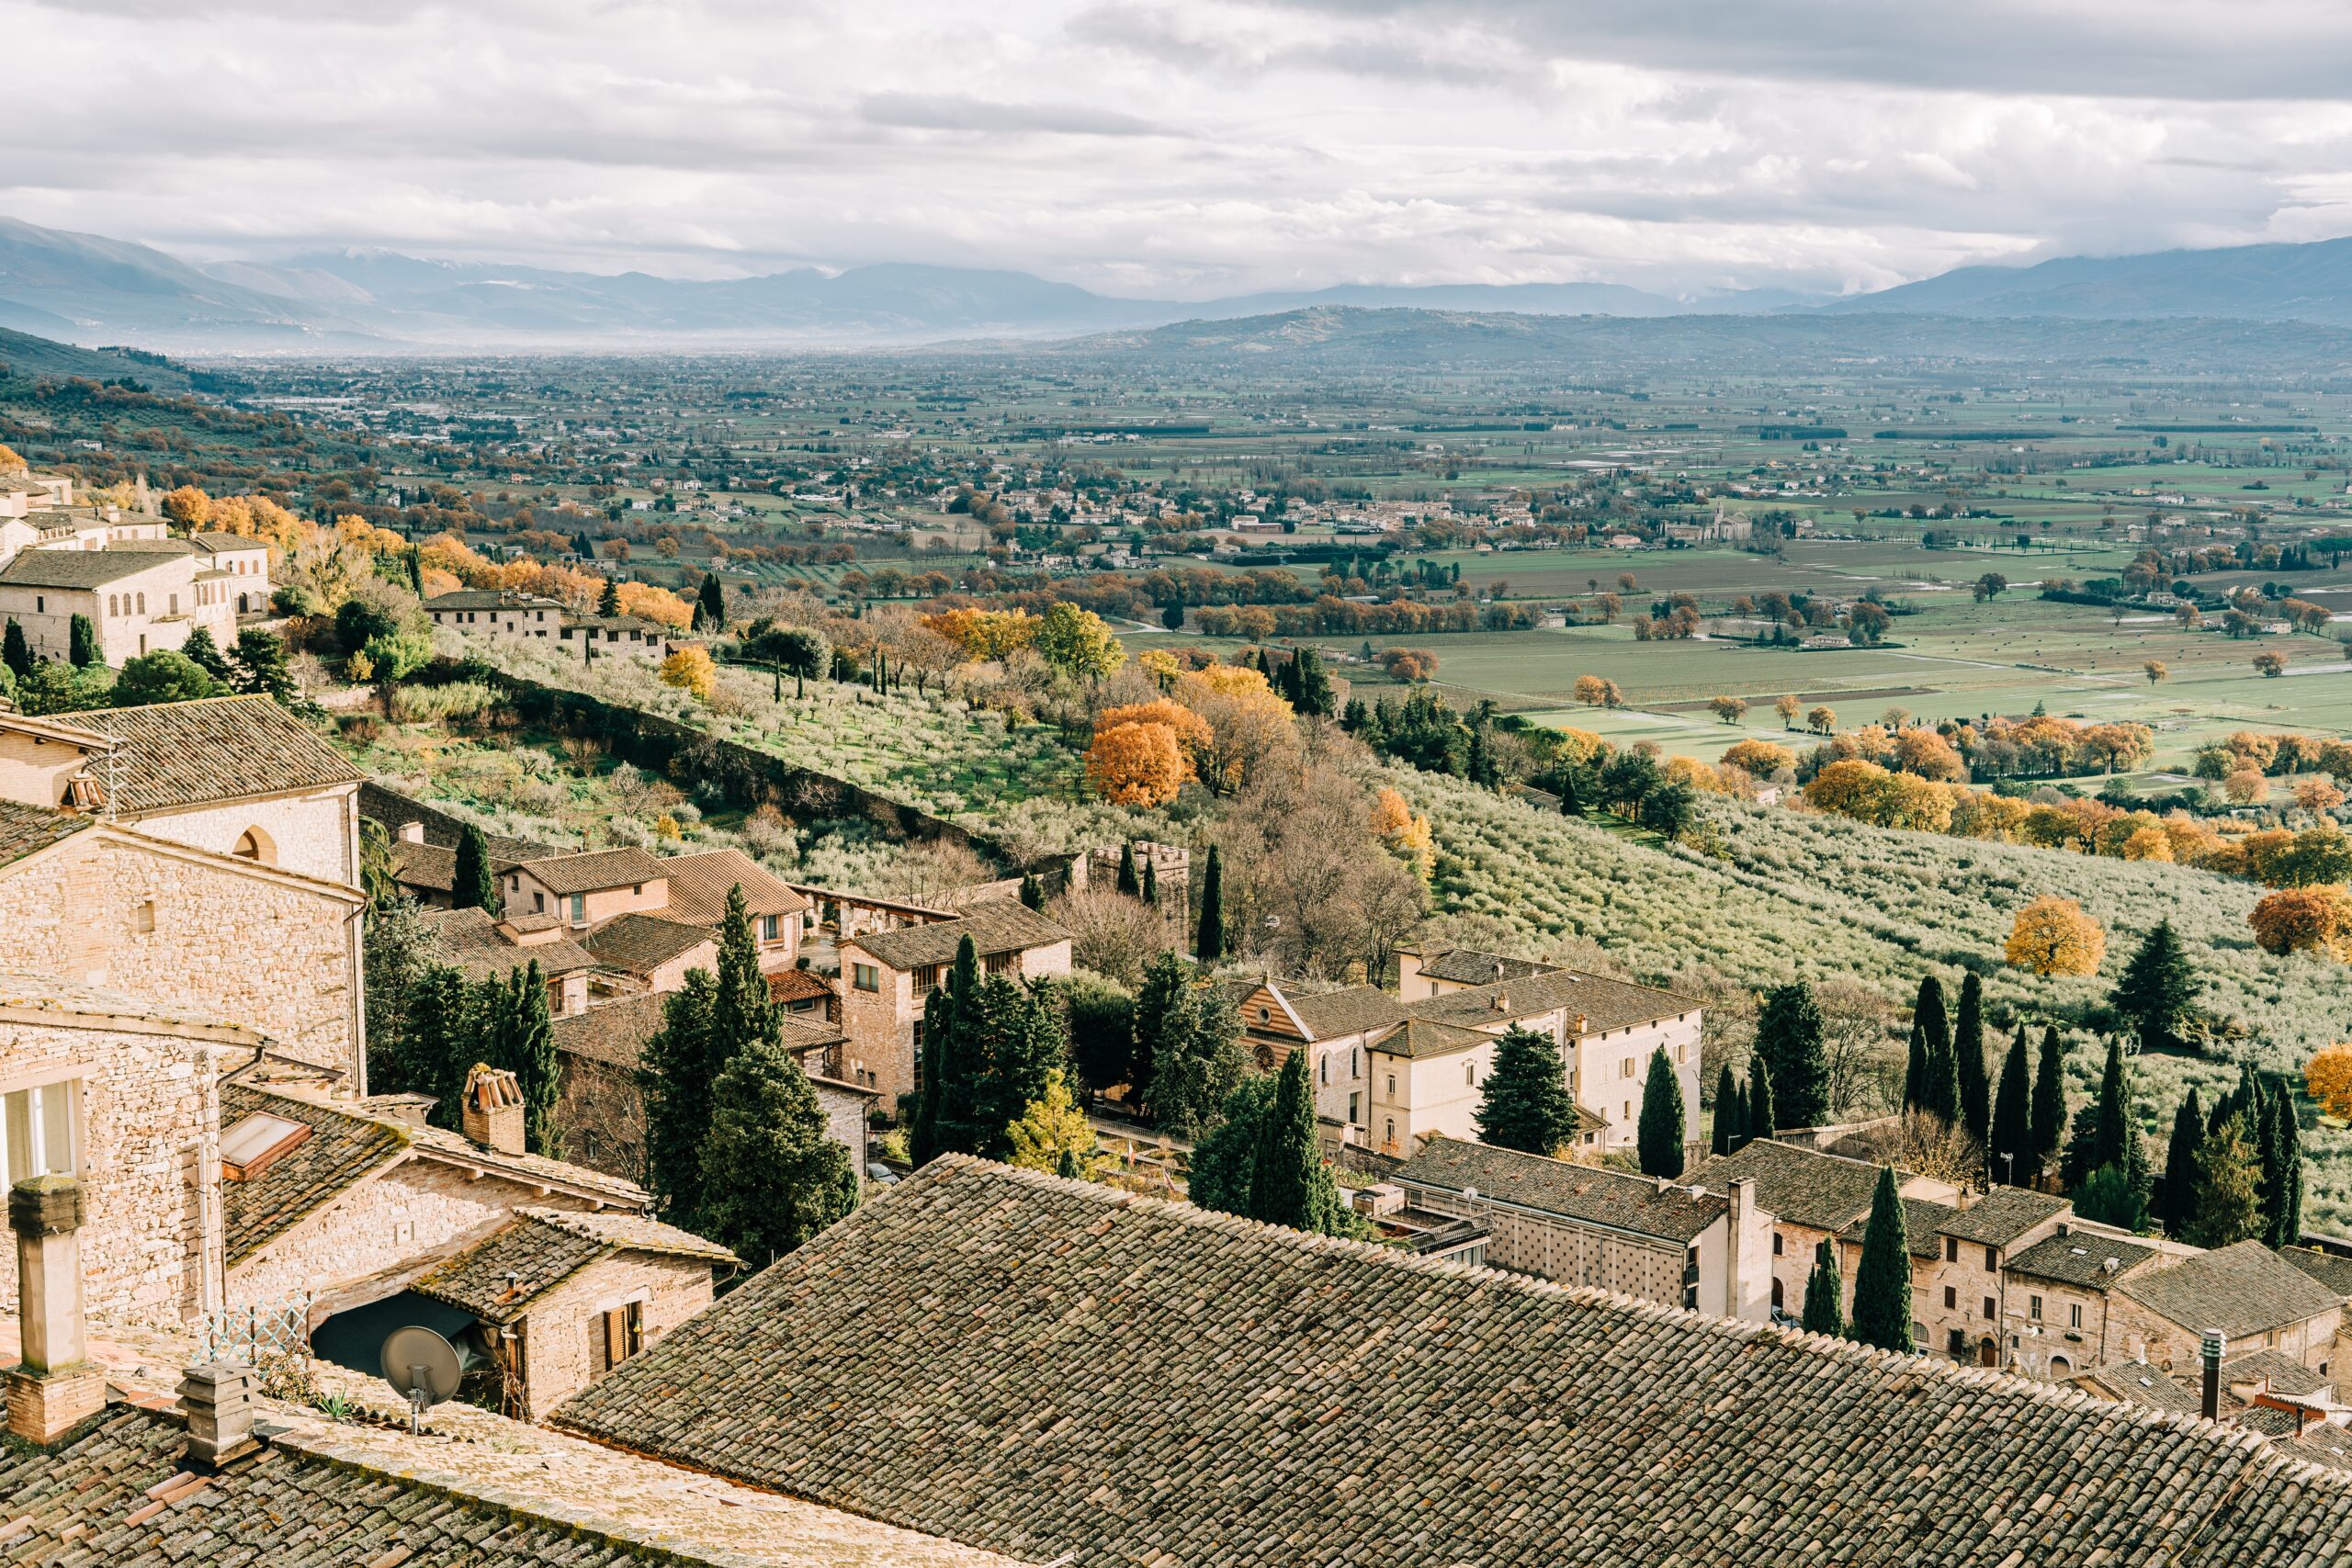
x=421 y=1365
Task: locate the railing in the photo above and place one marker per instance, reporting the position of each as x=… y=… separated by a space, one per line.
x=256 y=1332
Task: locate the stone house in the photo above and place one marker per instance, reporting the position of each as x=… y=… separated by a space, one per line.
x=1426 y=972
x=245 y=563
x=1960 y=1298
x=139 y=597
x=588 y=890
x=1813 y=1198
x=482 y=946
x=2056 y=1315
x=2256 y=1298
x=496 y=611
x=887 y=977
x=1336 y=1027
x=558 y=1298
x=1677 y=1244
x=608 y=636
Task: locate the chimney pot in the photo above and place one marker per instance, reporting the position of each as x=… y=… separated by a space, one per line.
x=411 y=832
x=2210 y=1344
x=54 y=1388
x=491 y=1113
x=219 y=1400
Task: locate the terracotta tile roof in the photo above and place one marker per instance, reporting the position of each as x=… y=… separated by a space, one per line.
x=428 y=866
x=2136 y=1383
x=1000 y=928
x=699 y=884
x=175 y=754
x=1923 y=1223
x=2001 y=1216
x=593 y=871
x=613 y=1032
x=214 y=543
x=1253 y=1396
x=1419 y=1037
x=2330 y=1271
x=1827 y=1192
x=537 y=1170
x=69 y=569
x=1581 y=1192
x=1468 y=966
x=26 y=830
x=642 y=943
x=490 y=599
x=395 y=811
x=341 y=1152
x=543 y=1248
x=799 y=985
x=1349 y=1011
x=472 y=941
x=1607 y=1005
x=2242 y=1290
x=2080 y=1258
x=2280 y=1372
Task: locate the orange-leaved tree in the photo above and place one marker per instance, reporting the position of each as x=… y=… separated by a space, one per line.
x=2328 y=1075
x=1137 y=764
x=2053 y=936
x=2304 y=919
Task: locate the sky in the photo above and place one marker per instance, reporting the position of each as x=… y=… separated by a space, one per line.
x=1156 y=149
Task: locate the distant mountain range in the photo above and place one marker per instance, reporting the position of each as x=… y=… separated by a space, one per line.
x=88 y=289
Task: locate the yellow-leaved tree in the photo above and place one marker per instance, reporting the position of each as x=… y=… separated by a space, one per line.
x=2328 y=1075
x=689 y=669
x=1408 y=837
x=2053 y=936
x=10 y=463
x=1053 y=1134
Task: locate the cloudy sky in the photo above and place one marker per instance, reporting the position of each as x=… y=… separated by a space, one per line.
x=1150 y=147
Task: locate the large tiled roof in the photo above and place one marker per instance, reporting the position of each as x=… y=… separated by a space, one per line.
x=2278 y=1372
x=490 y=599
x=699 y=884
x=442 y=828
x=1584 y=1192
x=2136 y=1383
x=497 y=1279
x=43 y=990
x=1349 y=1011
x=613 y=1032
x=1801 y=1186
x=473 y=943
x=428 y=866
x=1420 y=1037
x=175 y=754
x=2240 y=1289
x=1468 y=966
x=642 y=943
x=1000 y=928
x=2080 y=1258
x=1248 y=1395
x=88 y=569
x=2001 y=1216
x=25 y=829
x=1607 y=1005
x=537 y=1170
x=1923 y=1225
x=341 y=1152
x=2329 y=1270
x=591 y=870
x=215 y=542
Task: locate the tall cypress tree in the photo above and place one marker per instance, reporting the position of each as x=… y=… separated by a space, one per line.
x=80 y=642
x=1762 y=1111
x=1883 y=1280
x=1033 y=892
x=673 y=1076
x=1128 y=883
x=1723 y=1132
x=1938 y=1091
x=1525 y=1103
x=472 y=885
x=608 y=598
x=1968 y=1056
x=2225 y=1209
x=2010 y=1141
x=742 y=1009
x=776 y=1175
x=437 y=1044
x=710 y=603
x=529 y=1048
x=1208 y=941
x=1660 y=1134
x=922 y=1134
x=1789 y=1042
x=15 y=651
x=2264 y=1129
x=2286 y=1215
x=1825 y=1312
x=1023 y=1040
x=2049 y=1102
x=2110 y=1141
x=1289 y=1182
x=1915 y=1070
x=2175 y=1189
x=1151 y=880
x=2157 y=991
x=951 y=1079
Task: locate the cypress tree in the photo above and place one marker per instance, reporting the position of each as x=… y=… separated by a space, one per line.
x=436 y=1041
x=260 y=666
x=1525 y=1103
x=201 y=651
x=1660 y=1134
x=1026 y=1042
x=922 y=1134
x=1188 y=1041
x=2286 y=1216
x=529 y=1048
x=742 y=1007
x=2157 y=992
x=1128 y=883
x=953 y=1071
x=13 y=650
x=1225 y=1161
x=1787 y=1041
x=776 y=1175
x=1883 y=1280
x=1289 y=1183
x=2049 y=1101
x=2177 y=1187
x=1967 y=1055
x=472 y=886
x=417 y=570
x=608 y=601
x=1033 y=892
x=80 y=642
x=1915 y=1070
x=1208 y=943
x=1151 y=880
x=2110 y=1141
x=710 y=607
x=1825 y=1312
x=1762 y=1114
x=2225 y=1208
x=2263 y=1127
x=673 y=1076
x=1939 y=1093
x=2010 y=1147
x=1723 y=1135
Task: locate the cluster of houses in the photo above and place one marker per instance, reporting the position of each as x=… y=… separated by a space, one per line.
x=140 y=589
x=509 y=612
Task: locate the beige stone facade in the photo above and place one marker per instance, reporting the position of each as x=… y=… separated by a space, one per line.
x=564 y=1329
x=314 y=833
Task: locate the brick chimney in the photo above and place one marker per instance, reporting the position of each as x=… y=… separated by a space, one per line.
x=491 y=1113
x=55 y=1387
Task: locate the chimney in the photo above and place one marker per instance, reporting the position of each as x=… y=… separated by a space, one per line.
x=1580 y=1030
x=1743 y=1202
x=54 y=1388
x=411 y=832
x=2210 y=1346
x=219 y=1400
x=491 y=1111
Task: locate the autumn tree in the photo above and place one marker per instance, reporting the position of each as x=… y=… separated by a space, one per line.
x=1589 y=690
x=1078 y=643
x=1788 y=708
x=1730 y=710
x=690 y=670
x=1822 y=719
x=1137 y=764
x=2328 y=1077
x=2053 y=936
x=2270 y=665
x=1759 y=759
x=2154 y=671
x=2304 y=919
x=1053 y=1135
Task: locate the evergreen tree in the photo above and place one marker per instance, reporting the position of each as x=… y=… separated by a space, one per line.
x=1151 y=880
x=80 y=642
x=1128 y=883
x=1023 y=1043
x=1208 y=943
x=1525 y=1103
x=472 y=885
x=2049 y=1120
x=947 y=1112
x=1480 y=766
x=2177 y=1190
x=1724 y=1135
x=1317 y=697
x=14 y=652
x=1938 y=1091
x=2110 y=1197
x=776 y=1175
x=742 y=1009
x=673 y=1078
x=1882 y=1279
x=1225 y=1161
x=1787 y=1041
x=2111 y=1139
x=1824 y=1310
x=201 y=651
x=2224 y=1205
x=1290 y=1183
x=608 y=601
x=1188 y=1036
x=2263 y=1128
x=1968 y=1054
x=1661 y=1129
x=1915 y=1070
x=528 y=1045
x=922 y=1131
x=436 y=1043
x=417 y=570
x=2009 y=1152
x=1761 y=1118
x=258 y=666
x=2286 y=1212
x=710 y=603
x=1033 y=892
x=2157 y=993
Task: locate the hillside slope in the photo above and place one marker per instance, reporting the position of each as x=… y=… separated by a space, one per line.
x=2272 y=283
x=26 y=357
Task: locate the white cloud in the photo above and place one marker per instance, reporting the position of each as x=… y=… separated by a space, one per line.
x=1145 y=148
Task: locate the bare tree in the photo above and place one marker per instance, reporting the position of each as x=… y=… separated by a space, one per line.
x=929 y=869
x=1865 y=1070
x=1111 y=932
x=1726 y=1020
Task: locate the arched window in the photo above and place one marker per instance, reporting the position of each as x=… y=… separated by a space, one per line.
x=254 y=844
x=142 y=603
x=2060 y=1367
x=1776 y=1295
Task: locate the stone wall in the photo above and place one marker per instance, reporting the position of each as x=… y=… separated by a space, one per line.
x=1559 y=1250
x=313 y=835
x=213 y=941
x=555 y=1347
x=149 y=1138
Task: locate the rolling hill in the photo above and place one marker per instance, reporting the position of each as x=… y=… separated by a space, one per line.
x=2270 y=282
x=26 y=357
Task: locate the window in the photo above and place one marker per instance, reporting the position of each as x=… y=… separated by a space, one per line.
x=580 y=905
x=998 y=963
x=863 y=976
x=613 y=1337
x=2074 y=1315
x=1355 y=1109
x=1992 y=1260
x=1991 y=1311
x=248 y=846
x=142 y=603
x=37 y=1130
x=1323 y=1069
x=1625 y=1068
x=1391 y=1086
x=1775 y=1291
x=1776 y=1242
x=771 y=928
x=249 y=1144
x=1264 y=1014
x=1952 y=1250
x=142 y=917
x=1392 y=1130
x=2033 y=1308
x=1951 y=1299
x=927 y=980
x=1470 y=1073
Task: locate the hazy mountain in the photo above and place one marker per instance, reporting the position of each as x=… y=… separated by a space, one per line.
x=2271 y=283
x=27 y=357
x=89 y=289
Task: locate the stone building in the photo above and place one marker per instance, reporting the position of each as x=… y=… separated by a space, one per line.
x=1336 y=1027
x=1813 y=1198
x=497 y=612
x=2256 y=1298
x=888 y=975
